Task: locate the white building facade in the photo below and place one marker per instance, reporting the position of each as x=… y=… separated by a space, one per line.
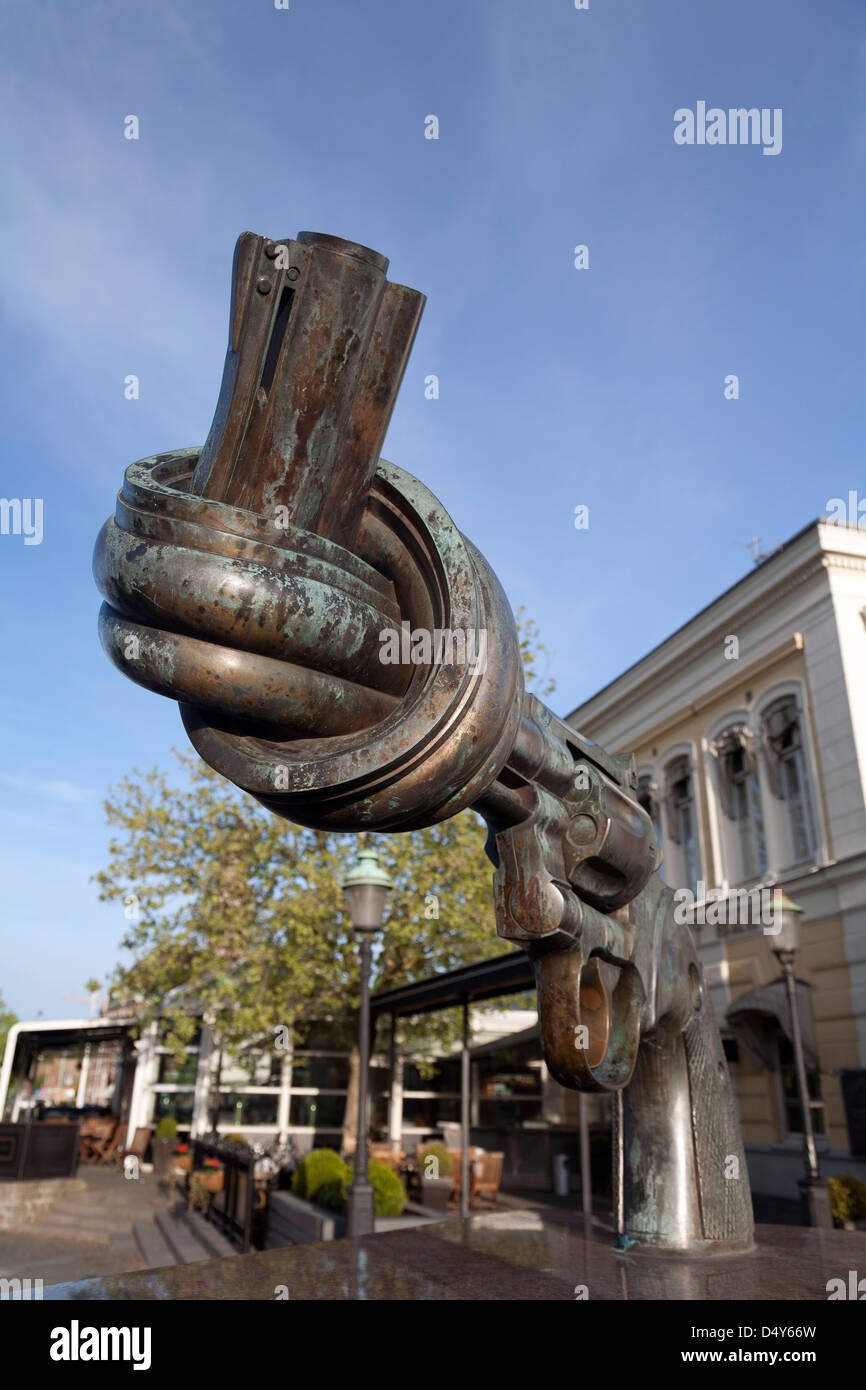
x=749 y=729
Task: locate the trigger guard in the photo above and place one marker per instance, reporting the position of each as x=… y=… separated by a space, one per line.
x=566 y=983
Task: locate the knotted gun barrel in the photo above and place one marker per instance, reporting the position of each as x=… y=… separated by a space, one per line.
x=343 y=653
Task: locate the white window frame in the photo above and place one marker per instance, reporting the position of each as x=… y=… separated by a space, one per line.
x=674 y=858
x=726 y=845
x=776 y=812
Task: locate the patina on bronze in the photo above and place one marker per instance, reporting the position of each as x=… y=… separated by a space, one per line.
x=251 y=580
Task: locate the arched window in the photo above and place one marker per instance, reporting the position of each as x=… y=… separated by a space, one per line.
x=740 y=798
x=783 y=744
x=681 y=823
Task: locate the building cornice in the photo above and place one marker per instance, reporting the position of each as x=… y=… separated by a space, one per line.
x=747 y=600
x=742 y=674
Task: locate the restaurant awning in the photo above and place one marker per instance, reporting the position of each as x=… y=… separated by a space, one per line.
x=511 y=973
x=50 y=1035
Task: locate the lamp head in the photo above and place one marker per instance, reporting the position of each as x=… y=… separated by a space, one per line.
x=786 y=941
x=367 y=886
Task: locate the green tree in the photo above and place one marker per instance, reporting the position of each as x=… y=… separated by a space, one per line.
x=533 y=654
x=7 y=1019
x=238 y=916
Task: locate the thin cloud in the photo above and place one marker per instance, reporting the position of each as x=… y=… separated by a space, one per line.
x=56 y=790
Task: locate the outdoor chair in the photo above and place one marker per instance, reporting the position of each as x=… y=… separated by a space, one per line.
x=457 y=1171
x=383 y=1153
x=104 y=1149
x=84 y=1138
x=138 y=1148
x=99 y=1135
x=487 y=1174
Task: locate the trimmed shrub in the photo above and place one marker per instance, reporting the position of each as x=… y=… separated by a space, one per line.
x=332 y=1196
x=389 y=1198
x=847 y=1197
x=316 y=1168
x=167 y=1128
x=443 y=1160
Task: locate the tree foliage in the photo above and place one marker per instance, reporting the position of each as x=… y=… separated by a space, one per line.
x=7 y=1019
x=535 y=656
x=241 y=915
x=237 y=915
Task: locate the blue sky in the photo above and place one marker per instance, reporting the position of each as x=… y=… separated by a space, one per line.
x=558 y=387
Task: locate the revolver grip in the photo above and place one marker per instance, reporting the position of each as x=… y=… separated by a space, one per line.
x=684 y=1171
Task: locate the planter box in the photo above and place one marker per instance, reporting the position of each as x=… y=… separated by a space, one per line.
x=163 y=1152
x=204 y=1184
x=212 y=1179
x=436 y=1192
x=294 y=1221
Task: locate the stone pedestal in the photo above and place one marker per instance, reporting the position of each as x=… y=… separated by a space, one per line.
x=508 y=1254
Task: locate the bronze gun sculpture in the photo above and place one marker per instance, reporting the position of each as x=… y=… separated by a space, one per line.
x=344 y=654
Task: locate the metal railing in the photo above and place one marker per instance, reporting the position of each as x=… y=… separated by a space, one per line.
x=231 y=1209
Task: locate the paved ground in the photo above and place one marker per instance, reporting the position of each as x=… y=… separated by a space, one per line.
x=530 y=1199
x=87 y=1232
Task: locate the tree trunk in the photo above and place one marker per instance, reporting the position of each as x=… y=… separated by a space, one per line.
x=215 y=1113
x=350 y=1118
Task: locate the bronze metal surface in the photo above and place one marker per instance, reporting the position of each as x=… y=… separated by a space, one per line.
x=254 y=581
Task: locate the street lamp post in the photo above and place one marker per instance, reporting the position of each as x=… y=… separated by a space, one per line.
x=366 y=886
x=814 y=1191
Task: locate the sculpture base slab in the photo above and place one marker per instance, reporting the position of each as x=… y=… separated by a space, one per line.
x=505 y=1254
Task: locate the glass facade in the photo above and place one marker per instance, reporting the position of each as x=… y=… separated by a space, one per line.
x=238 y=1108
x=177 y=1073
x=177 y=1104
x=509 y=1085
x=251 y=1069
x=513 y=1112
x=329 y=1073
x=317 y=1111
x=506 y=1086
x=429 y=1112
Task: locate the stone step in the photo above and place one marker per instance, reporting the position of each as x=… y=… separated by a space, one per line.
x=153 y=1245
x=181 y=1240
x=219 y=1247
